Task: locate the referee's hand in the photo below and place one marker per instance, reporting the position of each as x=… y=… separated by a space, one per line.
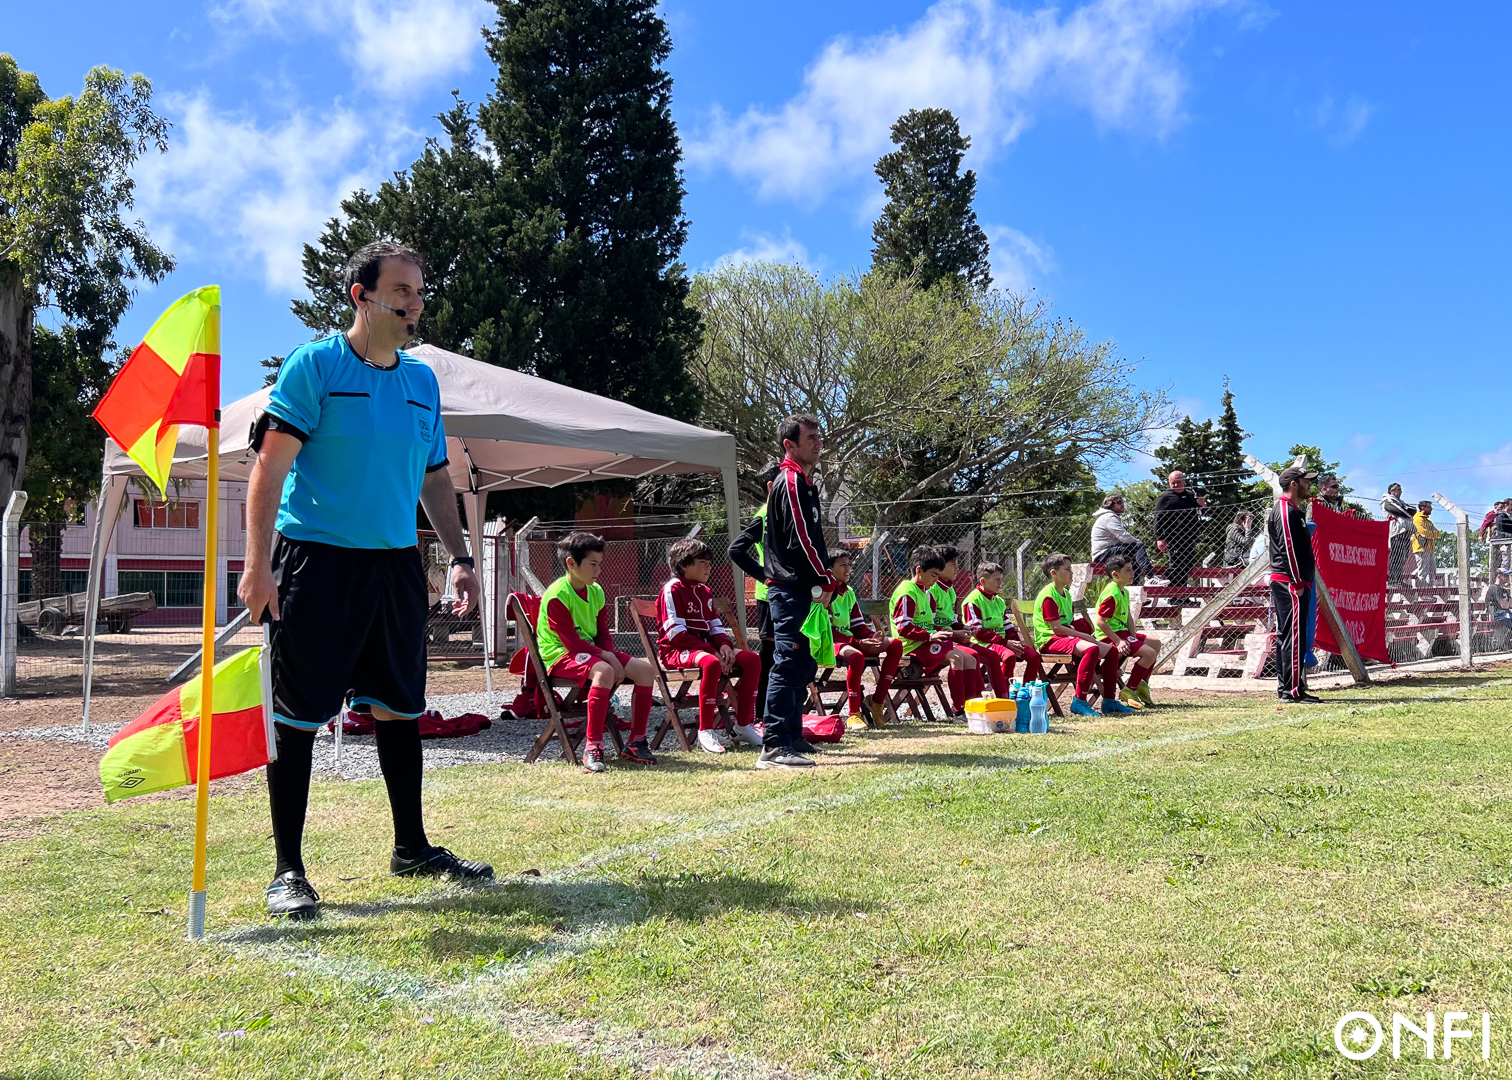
x=257 y=590
x=464 y=584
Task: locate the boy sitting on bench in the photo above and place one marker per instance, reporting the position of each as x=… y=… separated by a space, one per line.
x=942 y=596
x=572 y=632
x=913 y=622
x=1112 y=621
x=689 y=634
x=855 y=640
x=984 y=611
x=1056 y=634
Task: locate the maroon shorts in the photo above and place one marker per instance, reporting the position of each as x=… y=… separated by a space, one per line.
x=578 y=667
x=1060 y=646
x=1135 y=641
x=931 y=656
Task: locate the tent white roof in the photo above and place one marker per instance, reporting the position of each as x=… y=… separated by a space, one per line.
x=504 y=430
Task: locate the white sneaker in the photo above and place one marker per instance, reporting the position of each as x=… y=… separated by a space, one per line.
x=750 y=734
x=711 y=741
x=1157 y=581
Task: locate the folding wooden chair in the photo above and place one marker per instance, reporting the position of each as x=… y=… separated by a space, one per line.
x=686 y=679
x=573 y=706
x=910 y=686
x=1057 y=671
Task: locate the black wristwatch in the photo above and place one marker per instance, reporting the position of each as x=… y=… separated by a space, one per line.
x=463 y=560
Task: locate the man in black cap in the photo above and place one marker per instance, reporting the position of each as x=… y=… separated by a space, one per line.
x=1291 y=561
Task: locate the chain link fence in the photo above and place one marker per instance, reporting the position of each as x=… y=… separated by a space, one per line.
x=153 y=581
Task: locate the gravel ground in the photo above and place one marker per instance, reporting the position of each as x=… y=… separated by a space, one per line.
x=506 y=740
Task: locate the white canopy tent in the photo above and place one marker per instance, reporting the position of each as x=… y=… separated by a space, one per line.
x=504 y=430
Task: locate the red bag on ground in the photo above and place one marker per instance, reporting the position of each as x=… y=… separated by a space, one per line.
x=823 y=728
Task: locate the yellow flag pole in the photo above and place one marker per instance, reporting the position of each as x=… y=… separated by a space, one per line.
x=207 y=688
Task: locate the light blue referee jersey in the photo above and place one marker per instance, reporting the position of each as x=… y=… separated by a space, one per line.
x=371 y=435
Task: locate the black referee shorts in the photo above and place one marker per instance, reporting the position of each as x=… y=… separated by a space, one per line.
x=352 y=621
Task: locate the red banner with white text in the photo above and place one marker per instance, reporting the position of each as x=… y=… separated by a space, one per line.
x=1351 y=554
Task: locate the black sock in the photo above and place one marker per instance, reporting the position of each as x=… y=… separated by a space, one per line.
x=289 y=794
x=403 y=762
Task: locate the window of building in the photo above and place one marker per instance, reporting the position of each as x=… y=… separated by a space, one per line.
x=183 y=514
x=170 y=588
x=233 y=579
x=74 y=581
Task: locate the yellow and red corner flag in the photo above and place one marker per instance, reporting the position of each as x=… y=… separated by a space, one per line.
x=171 y=378
x=160 y=749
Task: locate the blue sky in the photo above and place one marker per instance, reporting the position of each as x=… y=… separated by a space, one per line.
x=1311 y=199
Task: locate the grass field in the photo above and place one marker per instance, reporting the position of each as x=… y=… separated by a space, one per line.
x=1199 y=891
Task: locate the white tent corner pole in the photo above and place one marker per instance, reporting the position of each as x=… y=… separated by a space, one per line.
x=107 y=510
x=732 y=522
x=476 y=501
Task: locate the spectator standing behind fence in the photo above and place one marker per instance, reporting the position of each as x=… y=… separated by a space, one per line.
x=1501 y=534
x=746 y=552
x=1238 y=538
x=1291 y=579
x=1178 y=521
x=1332 y=496
x=1402 y=529
x=1424 y=536
x=1499 y=602
x=796 y=568
x=1110 y=537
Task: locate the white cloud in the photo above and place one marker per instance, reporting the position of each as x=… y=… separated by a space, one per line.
x=992 y=65
x=1343 y=122
x=764 y=247
x=1017 y=259
x=229 y=189
x=392 y=45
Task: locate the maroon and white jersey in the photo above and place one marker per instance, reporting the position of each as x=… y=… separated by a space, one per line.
x=686 y=619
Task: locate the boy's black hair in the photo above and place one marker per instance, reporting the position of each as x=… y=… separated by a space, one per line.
x=925 y=558
x=687 y=550
x=948 y=552
x=1054 y=561
x=1114 y=563
x=577 y=546
x=987 y=569
x=841 y=553
x=768 y=473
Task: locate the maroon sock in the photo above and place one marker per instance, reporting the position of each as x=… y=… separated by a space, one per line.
x=640 y=712
x=1110 y=666
x=598 y=713
x=956 y=680
x=1140 y=674
x=1086 y=672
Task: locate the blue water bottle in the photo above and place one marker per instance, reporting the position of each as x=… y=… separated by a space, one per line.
x=1021 y=703
x=1039 y=711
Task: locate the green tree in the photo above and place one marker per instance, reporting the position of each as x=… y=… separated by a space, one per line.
x=66 y=247
x=928 y=227
x=1024 y=400
x=551 y=223
x=66 y=448
x=1211 y=453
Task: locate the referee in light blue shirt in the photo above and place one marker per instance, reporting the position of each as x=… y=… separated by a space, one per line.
x=351 y=441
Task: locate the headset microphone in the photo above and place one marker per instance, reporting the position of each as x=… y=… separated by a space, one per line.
x=403 y=313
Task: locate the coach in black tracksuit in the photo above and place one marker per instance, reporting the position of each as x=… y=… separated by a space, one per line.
x=796 y=566
x=1292 y=572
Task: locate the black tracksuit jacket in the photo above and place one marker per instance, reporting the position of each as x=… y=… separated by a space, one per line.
x=793 y=546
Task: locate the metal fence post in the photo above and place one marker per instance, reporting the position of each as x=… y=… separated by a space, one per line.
x=10 y=587
x=1018 y=561
x=522 y=556
x=876 y=546
x=1466 y=619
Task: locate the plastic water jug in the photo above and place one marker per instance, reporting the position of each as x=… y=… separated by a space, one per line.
x=1039 y=711
x=1021 y=702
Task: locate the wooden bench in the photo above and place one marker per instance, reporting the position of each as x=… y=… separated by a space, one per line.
x=573 y=706
x=687 y=680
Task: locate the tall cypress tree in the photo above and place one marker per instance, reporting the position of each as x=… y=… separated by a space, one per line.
x=581 y=120
x=551 y=224
x=928 y=226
